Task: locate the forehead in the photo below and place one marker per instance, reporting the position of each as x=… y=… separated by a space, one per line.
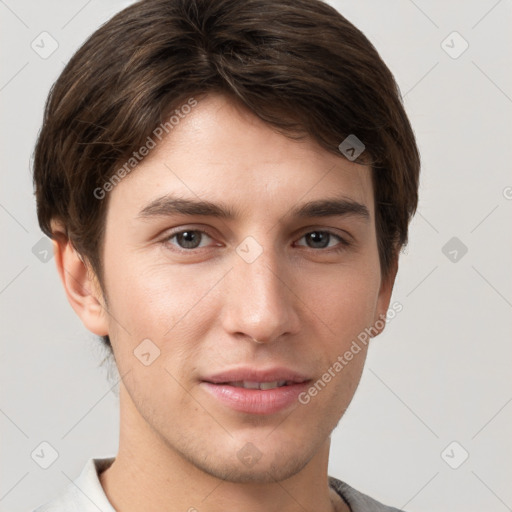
x=221 y=151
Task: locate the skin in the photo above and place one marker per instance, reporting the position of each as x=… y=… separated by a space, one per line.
x=305 y=303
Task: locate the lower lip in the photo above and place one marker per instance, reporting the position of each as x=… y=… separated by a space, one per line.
x=256 y=401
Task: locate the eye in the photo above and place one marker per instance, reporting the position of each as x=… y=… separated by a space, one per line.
x=188 y=238
x=322 y=240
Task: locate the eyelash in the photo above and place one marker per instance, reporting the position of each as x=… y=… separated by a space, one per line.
x=343 y=245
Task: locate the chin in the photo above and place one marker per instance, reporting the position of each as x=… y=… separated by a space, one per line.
x=260 y=473
x=265 y=460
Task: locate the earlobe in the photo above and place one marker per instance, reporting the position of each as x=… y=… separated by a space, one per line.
x=386 y=289
x=81 y=286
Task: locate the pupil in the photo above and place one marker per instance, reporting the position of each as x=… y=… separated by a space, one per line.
x=189 y=239
x=318 y=237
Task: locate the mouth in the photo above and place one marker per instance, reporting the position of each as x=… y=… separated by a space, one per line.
x=258 y=385
x=254 y=391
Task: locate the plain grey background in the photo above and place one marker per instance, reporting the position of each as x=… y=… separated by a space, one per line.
x=437 y=386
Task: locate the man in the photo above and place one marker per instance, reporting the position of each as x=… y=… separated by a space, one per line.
x=228 y=184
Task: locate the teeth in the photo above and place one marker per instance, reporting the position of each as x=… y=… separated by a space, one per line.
x=258 y=385
x=249 y=385
x=272 y=385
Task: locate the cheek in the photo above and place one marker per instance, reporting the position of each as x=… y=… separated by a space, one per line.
x=137 y=289
x=159 y=301
x=346 y=303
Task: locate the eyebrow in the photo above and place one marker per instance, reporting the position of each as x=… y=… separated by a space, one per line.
x=169 y=205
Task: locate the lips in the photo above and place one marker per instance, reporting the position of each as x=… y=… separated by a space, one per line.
x=256 y=391
x=259 y=385
x=253 y=375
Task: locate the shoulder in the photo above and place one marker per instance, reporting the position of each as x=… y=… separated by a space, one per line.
x=357 y=501
x=84 y=494
x=66 y=500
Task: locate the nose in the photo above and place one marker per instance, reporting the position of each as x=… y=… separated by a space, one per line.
x=260 y=302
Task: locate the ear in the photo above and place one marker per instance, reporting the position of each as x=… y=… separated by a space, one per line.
x=80 y=283
x=384 y=298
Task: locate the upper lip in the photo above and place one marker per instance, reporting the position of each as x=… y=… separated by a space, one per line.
x=249 y=374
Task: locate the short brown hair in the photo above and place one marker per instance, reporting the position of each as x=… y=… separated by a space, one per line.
x=299 y=65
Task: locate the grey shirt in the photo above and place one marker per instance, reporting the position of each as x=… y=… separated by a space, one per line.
x=85 y=493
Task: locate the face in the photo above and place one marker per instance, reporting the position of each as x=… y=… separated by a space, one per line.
x=190 y=288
